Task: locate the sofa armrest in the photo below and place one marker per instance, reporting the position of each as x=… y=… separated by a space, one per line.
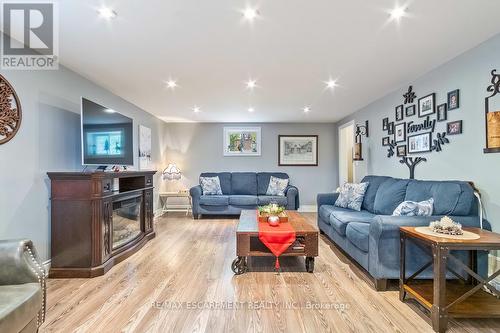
x=196 y=191
x=20 y=264
x=292 y=195
x=326 y=199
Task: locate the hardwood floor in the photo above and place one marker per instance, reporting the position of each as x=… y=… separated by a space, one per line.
x=189 y=261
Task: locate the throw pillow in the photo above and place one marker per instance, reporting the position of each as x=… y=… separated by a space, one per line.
x=210 y=185
x=413 y=208
x=351 y=196
x=277 y=186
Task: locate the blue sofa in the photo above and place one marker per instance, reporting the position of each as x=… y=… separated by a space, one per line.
x=371 y=236
x=241 y=190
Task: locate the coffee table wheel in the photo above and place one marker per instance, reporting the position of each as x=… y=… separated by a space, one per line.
x=310 y=264
x=239 y=265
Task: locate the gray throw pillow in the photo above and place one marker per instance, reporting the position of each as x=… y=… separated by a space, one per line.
x=210 y=185
x=277 y=186
x=351 y=196
x=413 y=208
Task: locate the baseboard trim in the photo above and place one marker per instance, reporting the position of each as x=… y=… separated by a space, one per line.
x=308 y=208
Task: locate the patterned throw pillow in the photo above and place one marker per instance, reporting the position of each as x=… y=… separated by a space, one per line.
x=351 y=196
x=277 y=186
x=210 y=185
x=412 y=208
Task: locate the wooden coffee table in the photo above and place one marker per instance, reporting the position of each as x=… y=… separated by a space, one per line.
x=249 y=245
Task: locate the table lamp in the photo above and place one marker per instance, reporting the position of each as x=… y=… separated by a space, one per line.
x=171 y=172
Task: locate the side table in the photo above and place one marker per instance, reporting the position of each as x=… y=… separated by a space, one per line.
x=460 y=298
x=165 y=207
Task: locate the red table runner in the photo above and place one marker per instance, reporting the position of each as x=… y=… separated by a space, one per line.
x=277 y=239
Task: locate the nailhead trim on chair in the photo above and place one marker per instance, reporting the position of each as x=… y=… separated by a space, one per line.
x=41 y=276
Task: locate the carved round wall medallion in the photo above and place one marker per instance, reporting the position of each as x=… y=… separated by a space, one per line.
x=10 y=111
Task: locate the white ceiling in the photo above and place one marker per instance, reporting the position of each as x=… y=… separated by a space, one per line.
x=291 y=49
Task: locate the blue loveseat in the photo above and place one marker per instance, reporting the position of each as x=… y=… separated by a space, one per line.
x=241 y=190
x=371 y=236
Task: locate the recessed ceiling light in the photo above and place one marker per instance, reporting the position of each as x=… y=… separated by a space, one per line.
x=196 y=109
x=171 y=84
x=250 y=14
x=250 y=109
x=109 y=111
x=397 y=13
x=251 y=84
x=331 y=84
x=306 y=109
x=107 y=13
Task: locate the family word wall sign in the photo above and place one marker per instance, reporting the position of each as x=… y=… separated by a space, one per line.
x=418 y=134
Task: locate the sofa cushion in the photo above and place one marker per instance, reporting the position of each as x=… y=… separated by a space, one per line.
x=450 y=197
x=210 y=185
x=374 y=183
x=351 y=196
x=325 y=211
x=277 y=186
x=341 y=217
x=267 y=199
x=214 y=200
x=390 y=194
x=414 y=208
x=358 y=234
x=19 y=304
x=243 y=200
x=244 y=183
x=263 y=180
x=224 y=178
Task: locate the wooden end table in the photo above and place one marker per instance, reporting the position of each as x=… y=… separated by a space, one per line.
x=248 y=243
x=165 y=208
x=461 y=298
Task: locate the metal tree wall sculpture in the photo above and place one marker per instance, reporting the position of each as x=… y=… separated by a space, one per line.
x=411 y=163
x=10 y=111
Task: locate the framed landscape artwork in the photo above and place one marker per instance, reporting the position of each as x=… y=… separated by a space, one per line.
x=297 y=150
x=242 y=141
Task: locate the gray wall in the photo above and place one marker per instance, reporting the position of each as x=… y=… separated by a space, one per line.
x=463 y=158
x=197 y=147
x=49 y=140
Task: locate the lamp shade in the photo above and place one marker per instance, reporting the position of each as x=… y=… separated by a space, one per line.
x=172 y=172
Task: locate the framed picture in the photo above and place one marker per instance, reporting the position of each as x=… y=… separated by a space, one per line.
x=399 y=112
x=401 y=150
x=442 y=113
x=385 y=124
x=297 y=150
x=454 y=99
x=419 y=143
x=400 y=132
x=385 y=141
x=242 y=141
x=454 y=127
x=410 y=110
x=427 y=105
x=145 y=162
x=390 y=128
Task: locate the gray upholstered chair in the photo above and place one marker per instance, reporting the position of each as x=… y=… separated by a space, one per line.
x=22 y=287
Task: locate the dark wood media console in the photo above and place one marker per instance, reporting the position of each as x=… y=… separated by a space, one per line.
x=98 y=219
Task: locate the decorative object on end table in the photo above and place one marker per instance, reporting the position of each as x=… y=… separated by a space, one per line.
x=492 y=118
x=442 y=112
x=410 y=110
x=171 y=172
x=427 y=105
x=419 y=143
x=399 y=112
x=357 y=154
x=242 y=141
x=298 y=150
x=10 y=111
x=454 y=99
x=446 y=226
x=454 y=127
x=400 y=132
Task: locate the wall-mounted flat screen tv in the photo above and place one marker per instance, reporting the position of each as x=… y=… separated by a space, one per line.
x=107 y=136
